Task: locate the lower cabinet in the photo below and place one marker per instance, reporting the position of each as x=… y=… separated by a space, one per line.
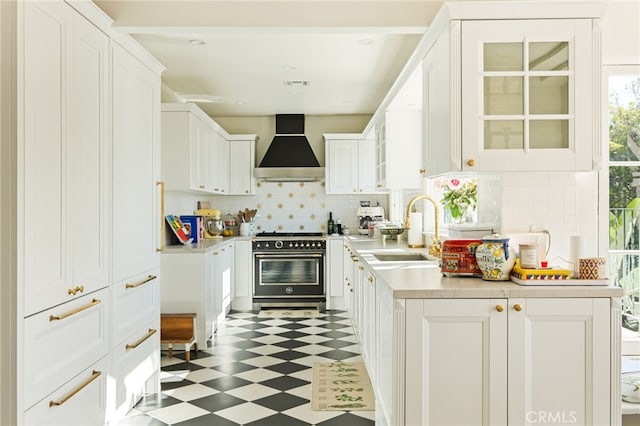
x=81 y=401
x=61 y=342
x=199 y=283
x=335 y=274
x=513 y=361
x=135 y=337
x=242 y=275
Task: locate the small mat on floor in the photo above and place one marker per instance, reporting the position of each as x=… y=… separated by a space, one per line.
x=288 y=313
x=341 y=386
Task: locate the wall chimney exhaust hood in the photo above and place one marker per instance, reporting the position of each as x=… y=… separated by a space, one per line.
x=289 y=156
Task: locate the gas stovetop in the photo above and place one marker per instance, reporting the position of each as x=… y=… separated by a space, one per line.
x=276 y=241
x=279 y=235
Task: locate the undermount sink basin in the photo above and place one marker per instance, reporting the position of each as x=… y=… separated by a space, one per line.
x=403 y=257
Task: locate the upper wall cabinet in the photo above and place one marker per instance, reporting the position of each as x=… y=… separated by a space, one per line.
x=511 y=94
x=399 y=150
x=350 y=164
x=242 y=159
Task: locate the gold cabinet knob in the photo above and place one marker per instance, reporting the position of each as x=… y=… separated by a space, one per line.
x=471 y=162
x=370 y=279
x=517 y=307
x=499 y=308
x=422 y=171
x=361 y=267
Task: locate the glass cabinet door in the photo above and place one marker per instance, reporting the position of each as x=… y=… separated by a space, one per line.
x=520 y=86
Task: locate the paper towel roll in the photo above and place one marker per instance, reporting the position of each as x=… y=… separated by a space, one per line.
x=576 y=251
x=414 y=236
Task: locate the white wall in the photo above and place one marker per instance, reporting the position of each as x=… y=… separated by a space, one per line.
x=621 y=32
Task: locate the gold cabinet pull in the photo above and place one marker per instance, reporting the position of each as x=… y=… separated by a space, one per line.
x=65 y=398
x=499 y=308
x=361 y=267
x=517 y=307
x=93 y=303
x=76 y=289
x=139 y=283
x=422 y=171
x=471 y=162
x=370 y=279
x=161 y=185
x=138 y=342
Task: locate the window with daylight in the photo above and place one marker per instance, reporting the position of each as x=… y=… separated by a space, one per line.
x=624 y=187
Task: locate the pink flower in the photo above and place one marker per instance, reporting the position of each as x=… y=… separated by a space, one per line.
x=454 y=183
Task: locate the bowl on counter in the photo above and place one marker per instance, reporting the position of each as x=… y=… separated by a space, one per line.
x=390 y=232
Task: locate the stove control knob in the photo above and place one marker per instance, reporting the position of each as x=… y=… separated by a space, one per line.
x=296 y=244
x=278 y=244
x=266 y=245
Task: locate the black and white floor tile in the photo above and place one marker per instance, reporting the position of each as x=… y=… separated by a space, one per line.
x=257 y=372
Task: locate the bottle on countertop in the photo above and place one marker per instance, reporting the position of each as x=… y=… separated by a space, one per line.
x=331 y=226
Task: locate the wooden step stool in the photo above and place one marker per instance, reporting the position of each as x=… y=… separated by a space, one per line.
x=178 y=328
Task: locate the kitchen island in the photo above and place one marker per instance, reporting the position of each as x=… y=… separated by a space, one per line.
x=508 y=353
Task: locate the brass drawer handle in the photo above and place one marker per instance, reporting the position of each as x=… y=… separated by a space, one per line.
x=370 y=279
x=499 y=308
x=471 y=162
x=139 y=283
x=361 y=267
x=93 y=303
x=76 y=289
x=517 y=307
x=65 y=398
x=150 y=333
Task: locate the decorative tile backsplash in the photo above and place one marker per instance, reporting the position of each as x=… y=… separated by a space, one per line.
x=283 y=206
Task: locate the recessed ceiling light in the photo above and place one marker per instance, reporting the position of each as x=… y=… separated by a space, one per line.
x=193 y=97
x=297 y=83
x=366 y=41
x=196 y=42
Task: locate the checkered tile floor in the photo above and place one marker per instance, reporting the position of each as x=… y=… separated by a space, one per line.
x=258 y=372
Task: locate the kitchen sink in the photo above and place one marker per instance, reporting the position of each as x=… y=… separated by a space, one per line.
x=403 y=257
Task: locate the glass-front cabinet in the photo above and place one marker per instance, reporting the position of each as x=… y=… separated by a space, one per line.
x=527 y=95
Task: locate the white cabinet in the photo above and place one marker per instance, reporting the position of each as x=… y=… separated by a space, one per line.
x=399 y=150
x=242 y=159
x=223 y=271
x=335 y=273
x=218 y=162
x=135 y=323
x=185 y=149
x=529 y=94
x=243 y=275
x=511 y=94
x=350 y=164
x=198 y=283
x=64 y=209
x=515 y=360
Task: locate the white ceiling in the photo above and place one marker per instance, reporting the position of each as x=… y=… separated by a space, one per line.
x=350 y=52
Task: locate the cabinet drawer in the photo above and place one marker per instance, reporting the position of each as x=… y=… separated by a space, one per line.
x=80 y=401
x=62 y=341
x=135 y=361
x=136 y=302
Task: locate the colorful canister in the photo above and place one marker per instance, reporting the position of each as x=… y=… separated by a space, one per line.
x=495 y=258
x=459 y=257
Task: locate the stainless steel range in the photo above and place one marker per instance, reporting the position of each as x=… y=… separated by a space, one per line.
x=289 y=270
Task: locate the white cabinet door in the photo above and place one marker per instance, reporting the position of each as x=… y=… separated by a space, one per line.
x=136 y=157
x=350 y=164
x=64 y=160
x=223 y=279
x=386 y=354
x=402 y=144
x=342 y=170
x=220 y=164
x=559 y=361
x=242 y=274
x=528 y=90
x=456 y=348
x=241 y=163
x=335 y=273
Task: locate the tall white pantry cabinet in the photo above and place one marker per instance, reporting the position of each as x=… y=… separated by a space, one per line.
x=88 y=216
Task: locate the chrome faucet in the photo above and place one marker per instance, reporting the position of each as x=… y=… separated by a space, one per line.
x=435 y=249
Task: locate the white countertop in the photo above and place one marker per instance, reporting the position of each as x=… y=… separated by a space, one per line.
x=421 y=280
x=202 y=246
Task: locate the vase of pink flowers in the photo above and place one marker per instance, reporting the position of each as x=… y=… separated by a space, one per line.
x=459 y=198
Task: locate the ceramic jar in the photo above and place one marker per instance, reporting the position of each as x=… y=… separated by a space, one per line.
x=495 y=258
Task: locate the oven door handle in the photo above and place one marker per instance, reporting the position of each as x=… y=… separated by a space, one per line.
x=288 y=256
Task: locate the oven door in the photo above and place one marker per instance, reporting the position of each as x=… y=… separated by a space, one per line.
x=289 y=275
